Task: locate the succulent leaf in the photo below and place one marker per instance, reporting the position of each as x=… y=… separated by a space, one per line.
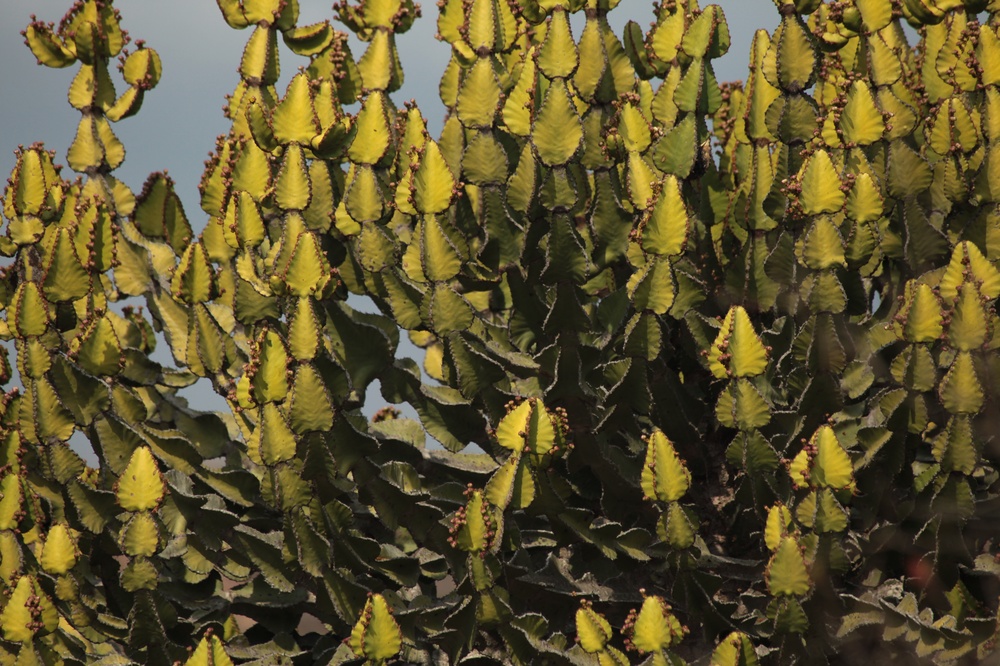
x=556 y=131
x=210 y=652
x=655 y=628
x=377 y=635
x=779 y=519
x=664 y=475
x=786 y=573
x=140 y=486
x=736 y=649
x=737 y=351
x=592 y=630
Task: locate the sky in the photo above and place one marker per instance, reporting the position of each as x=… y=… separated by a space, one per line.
x=181 y=117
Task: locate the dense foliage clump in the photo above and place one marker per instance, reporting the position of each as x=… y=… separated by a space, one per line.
x=710 y=372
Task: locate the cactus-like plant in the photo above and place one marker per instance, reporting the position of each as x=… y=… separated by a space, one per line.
x=715 y=364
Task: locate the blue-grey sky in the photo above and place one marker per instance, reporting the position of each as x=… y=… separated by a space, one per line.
x=182 y=116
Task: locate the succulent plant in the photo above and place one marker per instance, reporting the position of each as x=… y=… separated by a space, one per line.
x=712 y=363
